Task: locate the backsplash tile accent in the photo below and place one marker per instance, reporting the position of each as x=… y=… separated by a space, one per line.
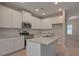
x=15 y=32
x=9 y=32
x=57 y=29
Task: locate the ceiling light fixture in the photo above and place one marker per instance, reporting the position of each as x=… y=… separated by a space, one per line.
x=37 y=10
x=60 y=9
x=56 y=3
x=43 y=13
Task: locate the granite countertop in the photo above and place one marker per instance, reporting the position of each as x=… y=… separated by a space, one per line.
x=44 y=40
x=11 y=36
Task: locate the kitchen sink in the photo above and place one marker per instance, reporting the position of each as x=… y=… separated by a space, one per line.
x=48 y=35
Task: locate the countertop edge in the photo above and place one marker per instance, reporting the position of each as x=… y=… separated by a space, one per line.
x=44 y=39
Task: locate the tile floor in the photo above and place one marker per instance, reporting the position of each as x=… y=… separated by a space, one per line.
x=71 y=49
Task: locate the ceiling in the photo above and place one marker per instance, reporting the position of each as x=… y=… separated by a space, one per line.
x=49 y=8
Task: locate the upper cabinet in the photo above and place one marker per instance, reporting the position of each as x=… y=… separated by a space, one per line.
x=45 y=24
x=57 y=20
x=16 y=19
x=9 y=18
x=5 y=17
x=35 y=22
x=25 y=16
x=38 y=23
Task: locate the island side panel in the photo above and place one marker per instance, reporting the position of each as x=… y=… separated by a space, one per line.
x=33 y=49
x=49 y=50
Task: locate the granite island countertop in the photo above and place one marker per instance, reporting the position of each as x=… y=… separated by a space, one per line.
x=44 y=40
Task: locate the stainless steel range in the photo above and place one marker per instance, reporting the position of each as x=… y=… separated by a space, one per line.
x=24 y=31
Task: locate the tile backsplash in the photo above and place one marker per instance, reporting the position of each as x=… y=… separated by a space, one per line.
x=15 y=32
x=9 y=32
x=38 y=32
x=57 y=29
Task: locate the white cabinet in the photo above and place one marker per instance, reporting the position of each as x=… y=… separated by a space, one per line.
x=10 y=18
x=5 y=17
x=35 y=22
x=18 y=43
x=15 y=44
x=61 y=19
x=4 y=46
x=45 y=24
x=57 y=20
x=16 y=19
x=41 y=23
x=25 y=16
x=11 y=45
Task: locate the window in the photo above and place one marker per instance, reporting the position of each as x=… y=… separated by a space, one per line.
x=69 y=29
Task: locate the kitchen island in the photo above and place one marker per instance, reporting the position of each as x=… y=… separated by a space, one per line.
x=42 y=46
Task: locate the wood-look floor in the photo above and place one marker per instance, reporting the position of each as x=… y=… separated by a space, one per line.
x=71 y=49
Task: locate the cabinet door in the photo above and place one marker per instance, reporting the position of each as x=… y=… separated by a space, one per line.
x=5 y=16
x=16 y=19
x=9 y=18
x=57 y=20
x=46 y=24
x=11 y=45
x=18 y=43
x=25 y=16
x=35 y=22
x=1 y=16
x=5 y=46
x=61 y=19
x=19 y=21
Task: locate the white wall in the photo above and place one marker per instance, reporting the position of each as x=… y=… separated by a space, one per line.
x=69 y=13
x=75 y=30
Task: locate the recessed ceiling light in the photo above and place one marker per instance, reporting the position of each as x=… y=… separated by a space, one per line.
x=56 y=3
x=36 y=9
x=43 y=14
x=59 y=9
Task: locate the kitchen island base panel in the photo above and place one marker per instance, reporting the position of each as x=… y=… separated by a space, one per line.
x=36 y=49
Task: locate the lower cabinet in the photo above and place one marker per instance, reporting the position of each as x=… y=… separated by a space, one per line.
x=11 y=45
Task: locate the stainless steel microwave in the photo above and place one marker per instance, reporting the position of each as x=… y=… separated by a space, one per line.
x=26 y=25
